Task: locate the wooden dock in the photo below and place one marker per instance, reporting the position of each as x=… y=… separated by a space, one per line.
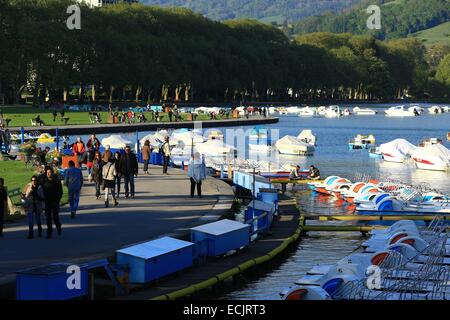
x=285 y=231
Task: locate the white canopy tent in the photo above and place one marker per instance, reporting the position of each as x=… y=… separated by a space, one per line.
x=116 y=142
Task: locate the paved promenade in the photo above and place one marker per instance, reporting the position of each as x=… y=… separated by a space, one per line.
x=162 y=206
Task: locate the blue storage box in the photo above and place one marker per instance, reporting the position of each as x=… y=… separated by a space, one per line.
x=269 y=196
x=113 y=150
x=157 y=258
x=221 y=236
x=245 y=180
x=257 y=208
x=49 y=282
x=156 y=158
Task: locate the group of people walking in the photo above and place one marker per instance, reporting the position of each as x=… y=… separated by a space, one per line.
x=108 y=170
x=44 y=192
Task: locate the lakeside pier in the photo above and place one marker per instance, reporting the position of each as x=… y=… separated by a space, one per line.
x=149 y=126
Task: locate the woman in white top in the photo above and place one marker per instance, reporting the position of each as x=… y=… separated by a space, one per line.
x=109 y=174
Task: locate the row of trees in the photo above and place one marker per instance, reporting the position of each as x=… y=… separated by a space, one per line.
x=151 y=54
x=398 y=18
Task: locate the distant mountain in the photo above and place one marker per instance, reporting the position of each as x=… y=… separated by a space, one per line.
x=266 y=10
x=399 y=18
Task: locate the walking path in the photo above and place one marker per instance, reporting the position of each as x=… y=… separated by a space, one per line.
x=162 y=206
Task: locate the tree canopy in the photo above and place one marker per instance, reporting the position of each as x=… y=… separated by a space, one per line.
x=154 y=54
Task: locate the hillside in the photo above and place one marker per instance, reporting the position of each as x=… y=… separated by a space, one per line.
x=398 y=19
x=264 y=10
x=438 y=34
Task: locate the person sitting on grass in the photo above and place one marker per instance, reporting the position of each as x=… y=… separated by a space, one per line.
x=39 y=121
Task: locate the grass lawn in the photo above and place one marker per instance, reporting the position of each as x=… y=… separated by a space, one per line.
x=17 y=175
x=21 y=116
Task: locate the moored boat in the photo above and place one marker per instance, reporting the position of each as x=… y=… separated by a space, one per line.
x=400 y=111
x=364 y=111
x=397 y=150
x=293 y=146
x=432 y=157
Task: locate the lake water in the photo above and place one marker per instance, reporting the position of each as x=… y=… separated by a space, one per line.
x=333 y=157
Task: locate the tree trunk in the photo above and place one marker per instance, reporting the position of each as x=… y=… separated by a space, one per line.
x=65 y=94
x=138 y=93
x=93 y=93
x=111 y=93
x=81 y=93
x=177 y=93
x=187 y=89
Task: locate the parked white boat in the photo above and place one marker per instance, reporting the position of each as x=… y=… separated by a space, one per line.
x=416 y=109
x=346 y=112
x=293 y=111
x=308 y=137
x=432 y=157
x=333 y=112
x=307 y=112
x=188 y=137
x=214 y=148
x=294 y=146
x=397 y=150
x=400 y=111
x=364 y=111
x=435 y=110
x=282 y=111
x=321 y=110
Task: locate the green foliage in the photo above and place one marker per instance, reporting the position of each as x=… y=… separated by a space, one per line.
x=141 y=53
x=398 y=19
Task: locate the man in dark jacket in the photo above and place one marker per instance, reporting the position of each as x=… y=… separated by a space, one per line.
x=53 y=192
x=128 y=169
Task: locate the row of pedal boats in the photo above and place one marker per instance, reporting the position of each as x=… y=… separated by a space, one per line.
x=401 y=262
x=376 y=197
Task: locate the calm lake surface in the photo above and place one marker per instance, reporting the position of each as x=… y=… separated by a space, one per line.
x=333 y=157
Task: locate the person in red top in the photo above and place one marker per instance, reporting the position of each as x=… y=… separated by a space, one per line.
x=94 y=143
x=79 y=149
